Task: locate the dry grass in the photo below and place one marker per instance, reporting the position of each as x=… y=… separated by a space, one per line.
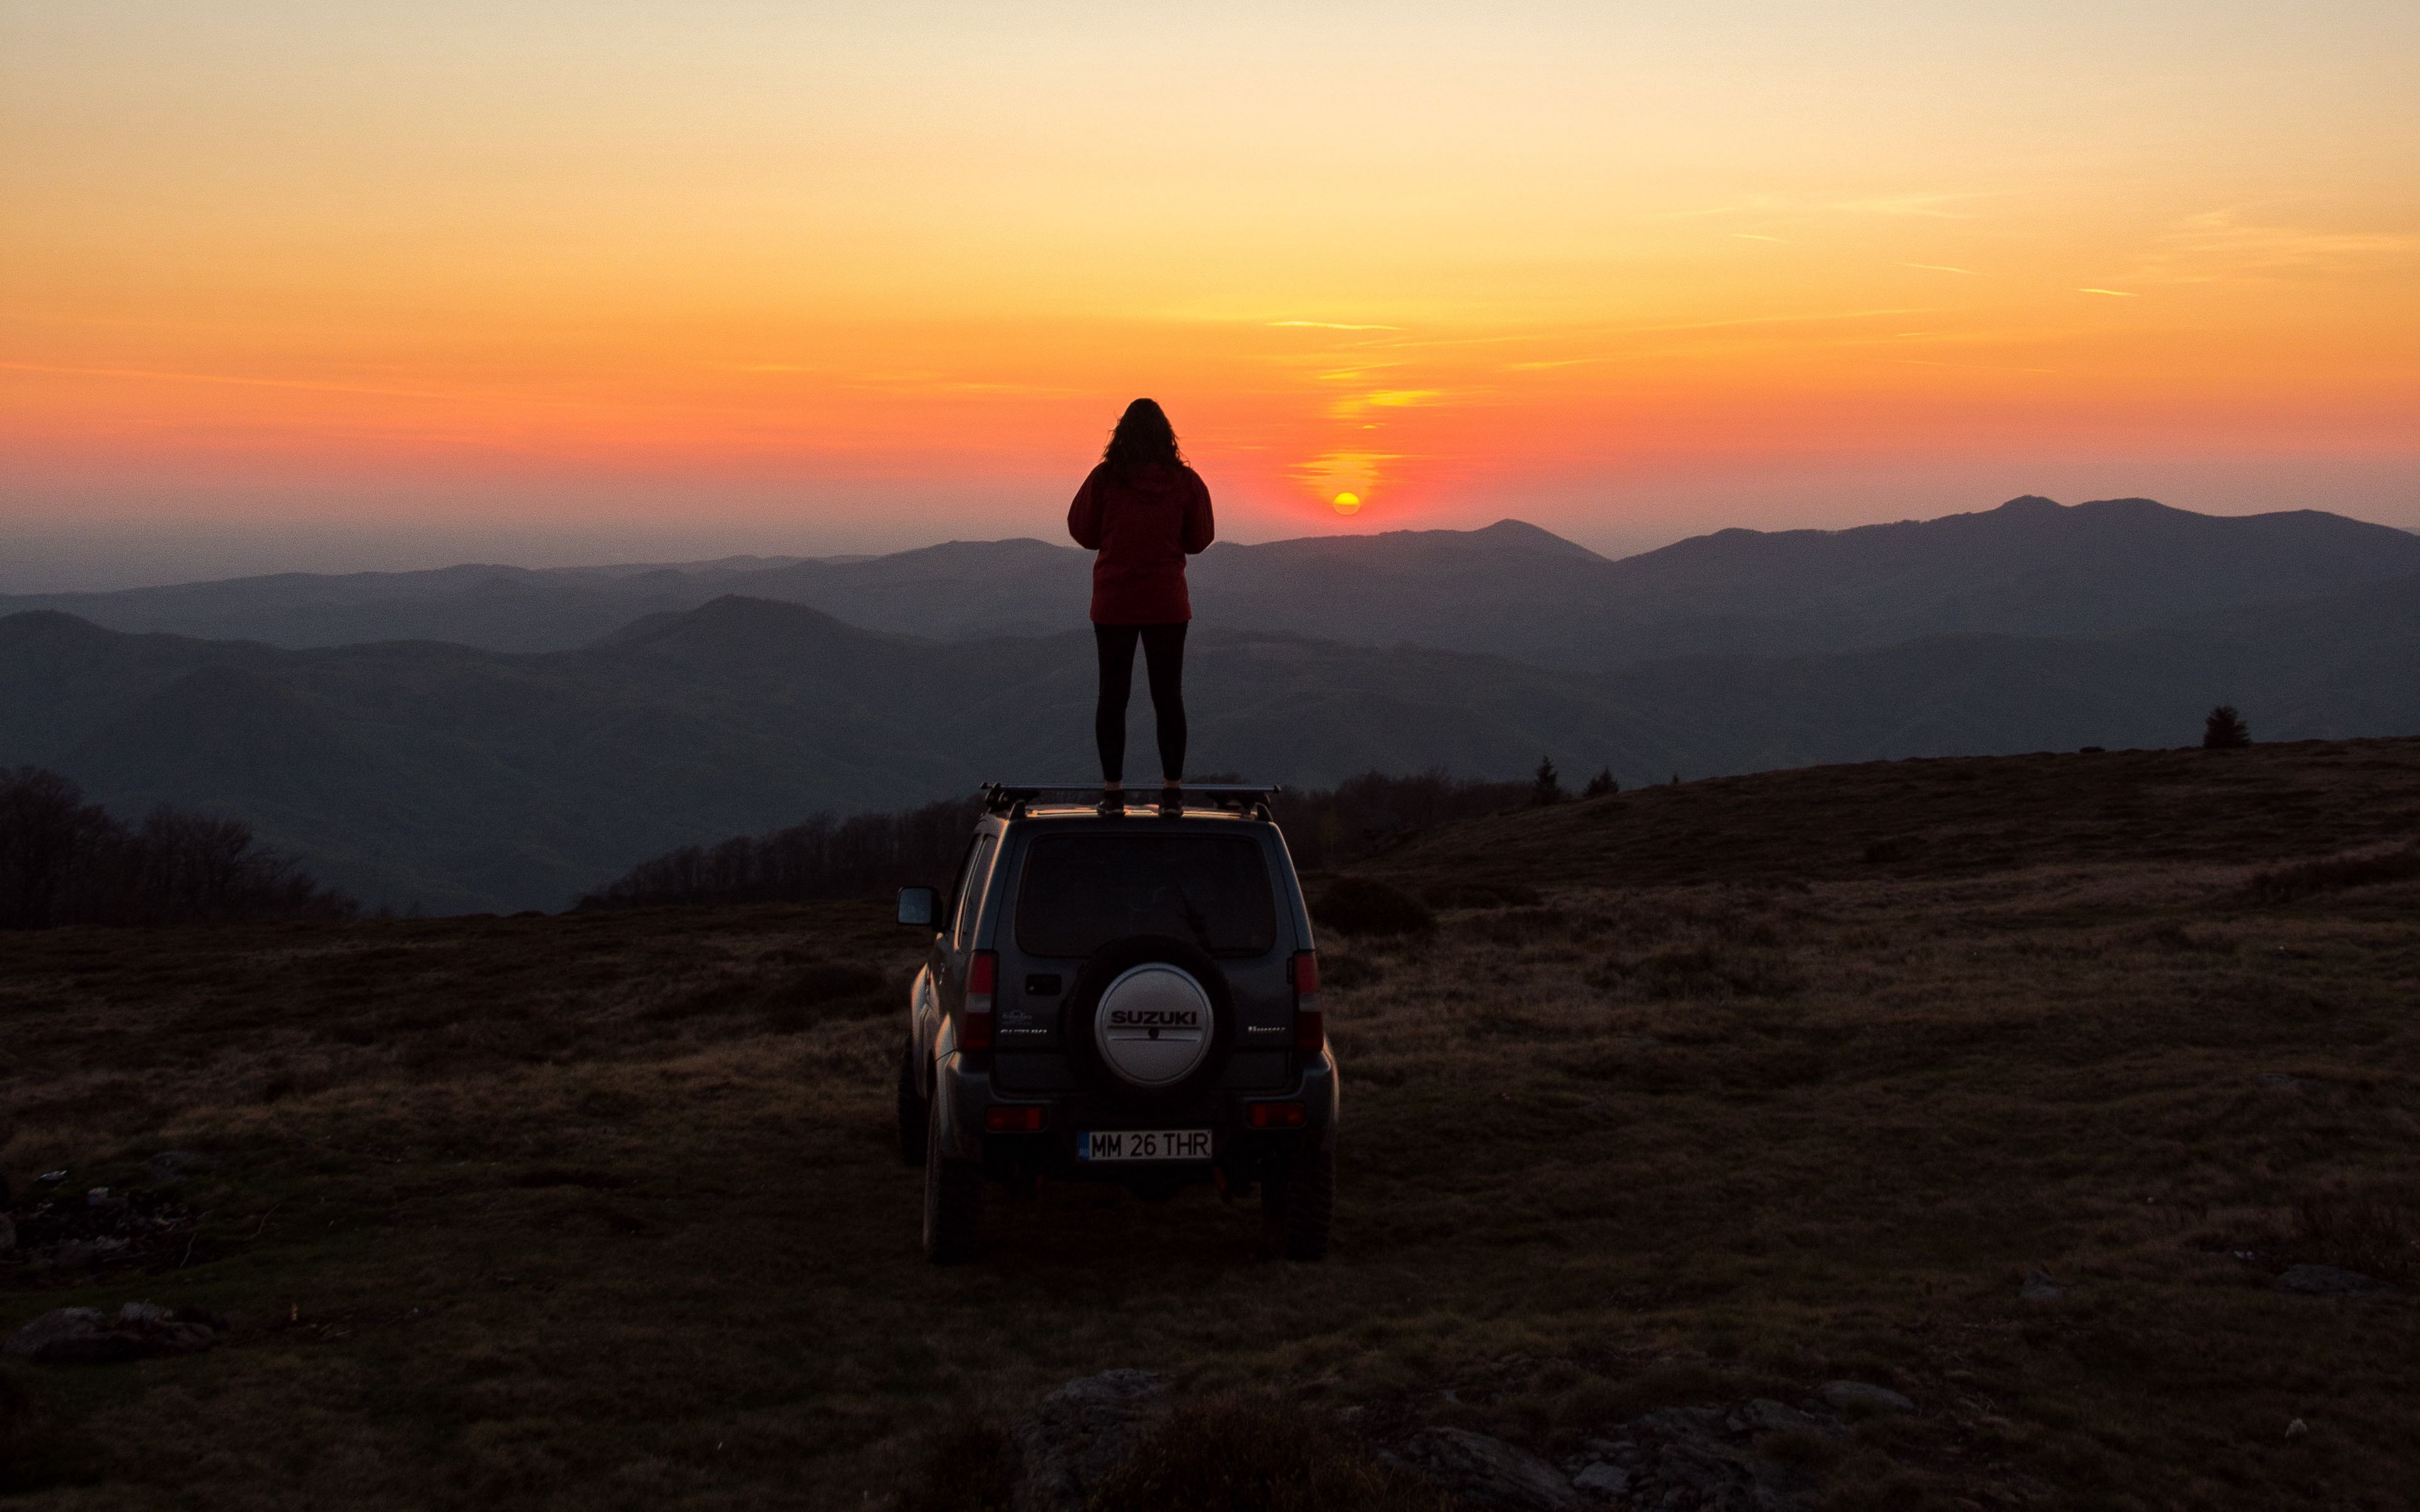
x=2289 y=883
x=601 y=1211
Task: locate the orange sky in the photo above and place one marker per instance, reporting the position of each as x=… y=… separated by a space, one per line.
x=785 y=276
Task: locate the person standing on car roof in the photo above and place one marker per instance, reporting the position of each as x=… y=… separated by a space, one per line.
x=1145 y=511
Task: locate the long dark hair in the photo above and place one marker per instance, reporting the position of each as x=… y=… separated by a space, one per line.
x=1143 y=439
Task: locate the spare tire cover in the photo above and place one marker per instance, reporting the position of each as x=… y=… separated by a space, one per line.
x=1153 y=1026
x=1148 y=1021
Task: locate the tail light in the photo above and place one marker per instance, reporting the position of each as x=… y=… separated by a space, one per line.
x=1276 y=1115
x=982 y=980
x=1310 y=1029
x=1013 y=1121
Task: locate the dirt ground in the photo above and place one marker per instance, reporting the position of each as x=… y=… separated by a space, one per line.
x=1697 y=1094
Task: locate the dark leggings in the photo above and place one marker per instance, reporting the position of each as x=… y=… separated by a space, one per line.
x=1163 y=657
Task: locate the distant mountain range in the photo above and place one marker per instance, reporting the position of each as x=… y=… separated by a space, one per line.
x=2030 y=567
x=462 y=779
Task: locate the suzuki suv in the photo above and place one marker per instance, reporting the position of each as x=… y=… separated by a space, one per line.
x=1116 y=996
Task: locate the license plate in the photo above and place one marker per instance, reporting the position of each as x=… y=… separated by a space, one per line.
x=1144 y=1144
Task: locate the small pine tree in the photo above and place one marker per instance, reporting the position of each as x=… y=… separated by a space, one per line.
x=1548 y=787
x=2225 y=730
x=1601 y=785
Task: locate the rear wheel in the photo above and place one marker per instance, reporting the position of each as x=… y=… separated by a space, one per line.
x=1300 y=1202
x=952 y=1197
x=912 y=1111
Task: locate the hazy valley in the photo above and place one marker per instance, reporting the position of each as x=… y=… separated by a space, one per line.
x=460 y=777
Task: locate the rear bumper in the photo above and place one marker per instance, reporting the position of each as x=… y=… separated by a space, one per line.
x=963 y=1093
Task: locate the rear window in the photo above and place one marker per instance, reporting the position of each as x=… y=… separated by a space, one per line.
x=1082 y=892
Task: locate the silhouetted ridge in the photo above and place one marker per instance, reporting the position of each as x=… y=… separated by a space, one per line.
x=2027 y=566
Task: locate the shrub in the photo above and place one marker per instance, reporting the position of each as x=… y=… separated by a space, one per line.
x=1363 y=906
x=2225 y=730
x=1602 y=785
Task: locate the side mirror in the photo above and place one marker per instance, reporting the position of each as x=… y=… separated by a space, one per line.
x=919 y=905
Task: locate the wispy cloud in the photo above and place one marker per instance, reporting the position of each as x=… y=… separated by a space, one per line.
x=1941 y=268
x=1353 y=406
x=2113 y=293
x=1324 y=325
x=1754 y=236
x=2218 y=244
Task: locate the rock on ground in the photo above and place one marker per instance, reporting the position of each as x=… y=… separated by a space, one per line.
x=1081 y=1433
x=2328 y=1281
x=1706 y=1457
x=1853 y=1395
x=2039 y=1287
x=1487 y=1471
x=85 y=1336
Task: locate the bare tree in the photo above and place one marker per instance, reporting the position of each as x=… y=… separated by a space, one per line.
x=66 y=861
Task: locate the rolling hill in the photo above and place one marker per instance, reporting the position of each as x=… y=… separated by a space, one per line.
x=2030 y=567
x=455 y=779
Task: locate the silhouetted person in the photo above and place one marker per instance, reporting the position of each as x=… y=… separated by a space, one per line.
x=1145 y=511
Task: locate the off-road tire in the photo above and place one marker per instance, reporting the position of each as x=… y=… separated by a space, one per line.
x=913 y=1114
x=952 y=1198
x=1300 y=1203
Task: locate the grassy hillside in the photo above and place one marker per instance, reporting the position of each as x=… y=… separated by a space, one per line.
x=1776 y=1081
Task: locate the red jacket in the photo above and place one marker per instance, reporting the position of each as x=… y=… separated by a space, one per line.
x=1143 y=529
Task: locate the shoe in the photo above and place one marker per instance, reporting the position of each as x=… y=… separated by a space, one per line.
x=1171 y=802
x=1112 y=804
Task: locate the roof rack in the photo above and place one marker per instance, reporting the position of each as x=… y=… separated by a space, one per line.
x=1010 y=799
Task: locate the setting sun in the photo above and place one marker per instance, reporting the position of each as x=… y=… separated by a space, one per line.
x=1348 y=503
